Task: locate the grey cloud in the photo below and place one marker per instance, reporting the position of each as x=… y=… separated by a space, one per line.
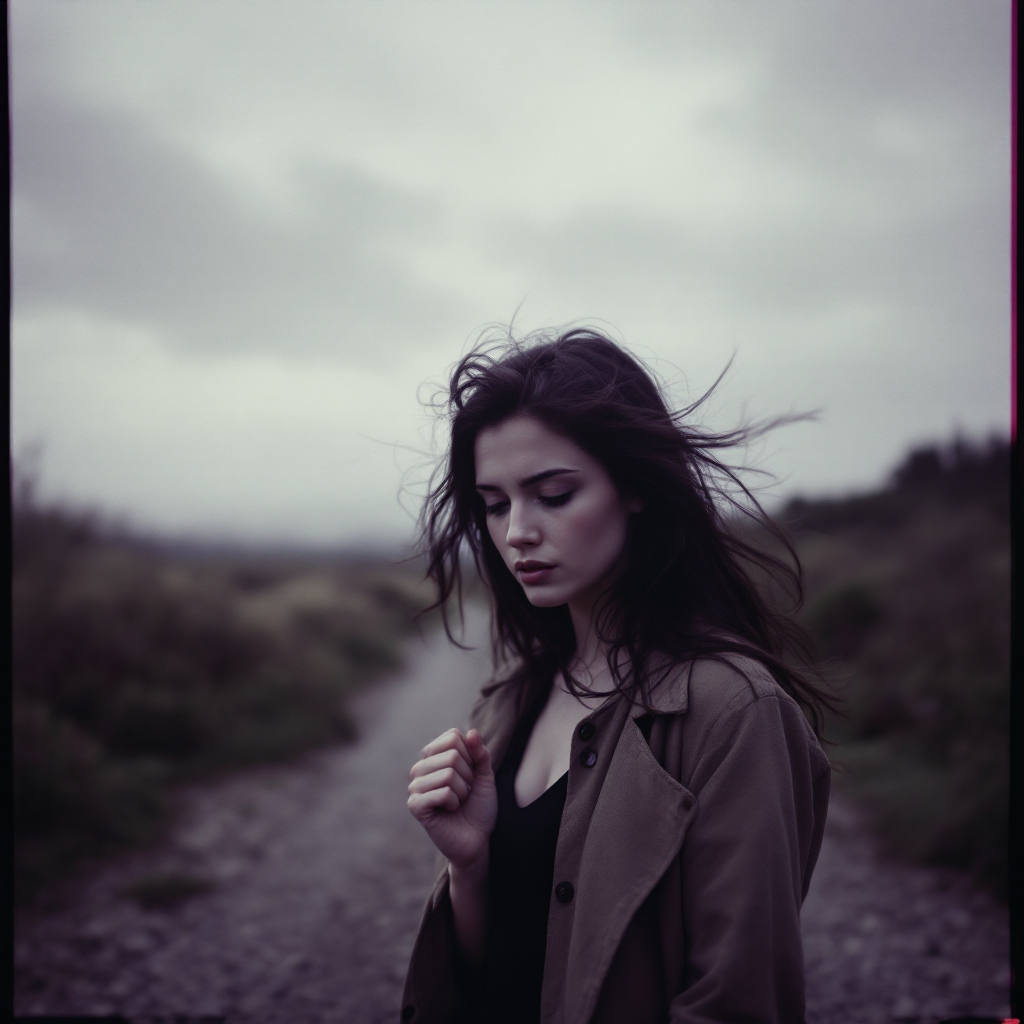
x=938 y=54
x=842 y=214
x=816 y=83
x=949 y=264
x=109 y=218
x=840 y=56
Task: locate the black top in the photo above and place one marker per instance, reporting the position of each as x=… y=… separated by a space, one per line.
x=520 y=875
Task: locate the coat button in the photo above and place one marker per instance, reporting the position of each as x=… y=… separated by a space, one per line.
x=408 y=1012
x=564 y=892
x=586 y=731
x=588 y=758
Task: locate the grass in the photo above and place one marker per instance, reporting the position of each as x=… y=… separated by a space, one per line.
x=137 y=669
x=908 y=598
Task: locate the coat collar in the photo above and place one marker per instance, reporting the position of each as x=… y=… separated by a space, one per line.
x=670 y=690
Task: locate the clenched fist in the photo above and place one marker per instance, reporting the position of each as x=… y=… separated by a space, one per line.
x=452 y=795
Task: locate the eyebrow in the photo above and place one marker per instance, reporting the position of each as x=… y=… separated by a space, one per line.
x=535 y=479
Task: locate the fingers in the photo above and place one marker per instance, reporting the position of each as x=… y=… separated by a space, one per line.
x=452 y=739
x=480 y=755
x=446 y=778
x=447 y=750
x=423 y=805
x=446 y=759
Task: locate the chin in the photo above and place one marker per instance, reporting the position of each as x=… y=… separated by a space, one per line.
x=543 y=597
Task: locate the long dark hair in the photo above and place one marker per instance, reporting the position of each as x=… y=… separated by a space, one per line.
x=686 y=589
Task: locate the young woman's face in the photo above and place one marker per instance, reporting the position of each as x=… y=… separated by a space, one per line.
x=553 y=512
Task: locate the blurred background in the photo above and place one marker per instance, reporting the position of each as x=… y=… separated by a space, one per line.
x=249 y=240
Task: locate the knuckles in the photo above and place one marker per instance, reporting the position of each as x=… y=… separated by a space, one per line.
x=448 y=755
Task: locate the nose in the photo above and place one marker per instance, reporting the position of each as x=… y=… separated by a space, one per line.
x=523 y=531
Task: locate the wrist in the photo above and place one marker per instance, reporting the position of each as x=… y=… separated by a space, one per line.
x=469 y=873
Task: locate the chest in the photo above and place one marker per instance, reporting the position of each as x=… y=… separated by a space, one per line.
x=548 y=750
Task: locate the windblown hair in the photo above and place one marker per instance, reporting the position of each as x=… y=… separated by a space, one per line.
x=686 y=588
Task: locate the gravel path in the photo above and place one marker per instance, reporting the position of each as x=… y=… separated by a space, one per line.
x=320 y=874
x=898 y=942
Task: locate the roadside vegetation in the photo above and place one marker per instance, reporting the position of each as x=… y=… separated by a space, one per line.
x=908 y=599
x=136 y=668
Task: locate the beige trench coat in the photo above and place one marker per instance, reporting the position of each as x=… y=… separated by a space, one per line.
x=689 y=855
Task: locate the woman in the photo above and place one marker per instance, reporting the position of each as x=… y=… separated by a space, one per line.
x=630 y=825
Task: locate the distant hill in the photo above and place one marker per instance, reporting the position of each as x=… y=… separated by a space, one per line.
x=958 y=474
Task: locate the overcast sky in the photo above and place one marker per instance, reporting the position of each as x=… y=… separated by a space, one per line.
x=246 y=236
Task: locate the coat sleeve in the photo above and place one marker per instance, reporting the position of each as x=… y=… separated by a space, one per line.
x=761 y=785
x=439 y=987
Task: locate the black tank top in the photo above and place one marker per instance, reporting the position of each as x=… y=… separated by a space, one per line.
x=520 y=876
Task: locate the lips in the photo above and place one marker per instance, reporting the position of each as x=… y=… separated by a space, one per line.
x=531 y=566
x=531 y=571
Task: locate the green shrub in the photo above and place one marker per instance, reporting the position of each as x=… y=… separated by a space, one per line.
x=134 y=670
x=72 y=801
x=842 y=618
x=908 y=596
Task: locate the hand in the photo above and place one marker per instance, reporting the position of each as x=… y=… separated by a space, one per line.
x=453 y=796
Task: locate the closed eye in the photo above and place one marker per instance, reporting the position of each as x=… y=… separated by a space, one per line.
x=554 y=500
x=496 y=508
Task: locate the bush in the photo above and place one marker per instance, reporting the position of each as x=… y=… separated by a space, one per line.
x=908 y=595
x=72 y=801
x=843 y=617
x=135 y=670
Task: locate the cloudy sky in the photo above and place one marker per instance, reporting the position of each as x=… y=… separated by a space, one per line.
x=250 y=237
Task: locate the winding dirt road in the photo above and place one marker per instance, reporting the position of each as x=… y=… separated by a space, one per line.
x=320 y=874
